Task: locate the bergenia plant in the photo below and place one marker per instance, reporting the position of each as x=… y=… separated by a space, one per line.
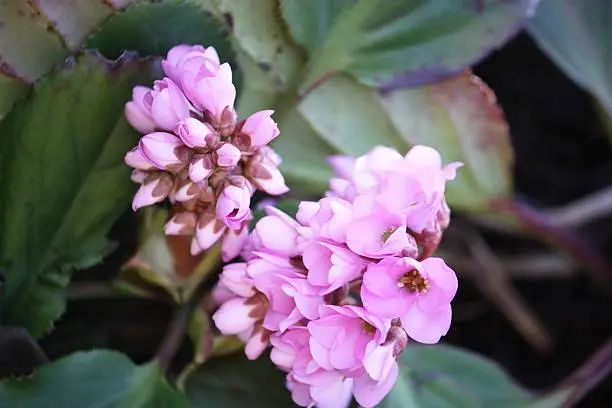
x=339 y=290
x=291 y=167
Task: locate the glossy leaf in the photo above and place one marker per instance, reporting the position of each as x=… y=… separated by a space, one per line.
x=582 y=48
x=258 y=31
x=459 y=117
x=153 y=28
x=400 y=43
x=93 y=379
x=64 y=181
x=348 y=116
x=11 y=89
x=448 y=377
x=233 y=381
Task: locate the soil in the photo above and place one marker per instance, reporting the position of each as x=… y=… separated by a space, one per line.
x=562 y=153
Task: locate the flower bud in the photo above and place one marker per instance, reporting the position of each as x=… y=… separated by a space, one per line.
x=154 y=189
x=260 y=128
x=195 y=133
x=182 y=223
x=134 y=158
x=228 y=155
x=164 y=150
x=200 y=168
x=138 y=110
x=233 y=206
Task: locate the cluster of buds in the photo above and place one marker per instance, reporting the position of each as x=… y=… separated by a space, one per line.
x=196 y=153
x=338 y=291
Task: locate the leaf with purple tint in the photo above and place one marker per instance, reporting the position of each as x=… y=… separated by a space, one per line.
x=390 y=44
x=576 y=35
x=459 y=117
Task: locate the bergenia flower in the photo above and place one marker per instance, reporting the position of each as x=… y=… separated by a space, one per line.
x=193 y=150
x=338 y=290
x=348 y=281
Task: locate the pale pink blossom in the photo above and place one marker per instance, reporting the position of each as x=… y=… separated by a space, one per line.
x=195 y=133
x=168 y=104
x=209 y=230
x=134 y=158
x=138 y=113
x=419 y=293
x=233 y=206
x=185 y=58
x=228 y=155
x=260 y=128
x=276 y=234
x=232 y=242
x=213 y=93
x=164 y=150
x=342 y=334
x=331 y=266
x=328 y=219
x=201 y=167
x=376 y=232
x=154 y=189
x=263 y=170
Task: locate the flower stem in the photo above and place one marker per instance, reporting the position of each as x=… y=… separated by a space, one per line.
x=175 y=335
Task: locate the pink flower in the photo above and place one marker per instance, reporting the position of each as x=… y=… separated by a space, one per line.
x=138 y=113
x=331 y=266
x=291 y=298
x=419 y=293
x=164 y=150
x=260 y=128
x=376 y=232
x=213 y=92
x=235 y=278
x=208 y=231
x=154 y=189
x=276 y=234
x=325 y=389
x=369 y=392
x=168 y=104
x=232 y=243
x=200 y=168
x=233 y=206
x=341 y=336
x=134 y=158
x=262 y=169
x=228 y=155
x=185 y=58
x=195 y=133
x=287 y=346
x=328 y=219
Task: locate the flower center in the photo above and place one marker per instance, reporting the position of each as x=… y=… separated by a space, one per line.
x=387 y=233
x=414 y=282
x=368 y=328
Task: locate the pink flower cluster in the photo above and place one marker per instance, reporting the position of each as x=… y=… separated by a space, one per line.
x=196 y=153
x=338 y=291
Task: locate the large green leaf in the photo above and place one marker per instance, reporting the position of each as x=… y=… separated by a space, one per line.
x=407 y=42
x=64 y=181
x=35 y=36
x=234 y=381
x=582 y=47
x=459 y=117
x=93 y=379
x=448 y=377
x=258 y=31
x=11 y=89
x=153 y=28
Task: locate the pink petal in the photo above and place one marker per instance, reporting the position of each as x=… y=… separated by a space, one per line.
x=427 y=328
x=369 y=393
x=233 y=316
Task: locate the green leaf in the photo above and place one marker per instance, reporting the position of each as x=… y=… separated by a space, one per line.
x=459 y=117
x=448 y=377
x=154 y=28
x=64 y=181
x=29 y=47
x=304 y=153
x=349 y=117
x=258 y=31
x=11 y=89
x=581 y=48
x=93 y=379
x=233 y=381
x=35 y=36
x=408 y=42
